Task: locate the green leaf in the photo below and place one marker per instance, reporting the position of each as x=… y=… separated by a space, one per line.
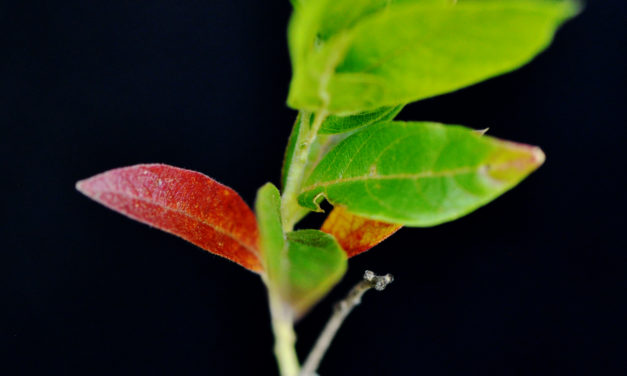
x=268 y=212
x=351 y=56
x=316 y=264
x=301 y=268
x=417 y=174
x=339 y=124
x=329 y=134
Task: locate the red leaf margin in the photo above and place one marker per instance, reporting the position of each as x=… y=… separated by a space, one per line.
x=182 y=202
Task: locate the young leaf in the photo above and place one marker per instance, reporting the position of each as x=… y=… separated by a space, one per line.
x=303 y=268
x=417 y=174
x=184 y=203
x=339 y=124
x=316 y=264
x=272 y=244
x=354 y=233
x=353 y=56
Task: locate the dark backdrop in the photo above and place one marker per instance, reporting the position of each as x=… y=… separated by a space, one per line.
x=532 y=284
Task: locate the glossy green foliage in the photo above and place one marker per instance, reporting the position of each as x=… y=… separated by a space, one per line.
x=316 y=264
x=352 y=56
x=417 y=174
x=302 y=266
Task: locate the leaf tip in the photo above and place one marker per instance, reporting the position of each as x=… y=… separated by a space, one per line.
x=80 y=186
x=515 y=161
x=84 y=187
x=575 y=7
x=528 y=157
x=538 y=156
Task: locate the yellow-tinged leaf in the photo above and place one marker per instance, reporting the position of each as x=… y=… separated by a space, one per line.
x=354 y=233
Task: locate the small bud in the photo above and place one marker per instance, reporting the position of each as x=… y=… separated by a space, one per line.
x=378 y=282
x=369 y=275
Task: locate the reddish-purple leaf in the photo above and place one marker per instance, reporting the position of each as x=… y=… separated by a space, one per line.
x=184 y=203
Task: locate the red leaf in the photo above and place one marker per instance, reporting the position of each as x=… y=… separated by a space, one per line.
x=354 y=233
x=184 y=203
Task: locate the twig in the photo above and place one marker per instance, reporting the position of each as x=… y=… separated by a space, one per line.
x=284 y=336
x=340 y=311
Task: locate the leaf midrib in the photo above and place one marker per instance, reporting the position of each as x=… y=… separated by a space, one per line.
x=415 y=176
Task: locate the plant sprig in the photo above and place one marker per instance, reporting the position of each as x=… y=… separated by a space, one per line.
x=356 y=64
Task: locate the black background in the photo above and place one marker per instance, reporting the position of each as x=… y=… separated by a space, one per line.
x=532 y=284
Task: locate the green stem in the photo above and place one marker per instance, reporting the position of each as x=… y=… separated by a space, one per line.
x=291 y=211
x=284 y=338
